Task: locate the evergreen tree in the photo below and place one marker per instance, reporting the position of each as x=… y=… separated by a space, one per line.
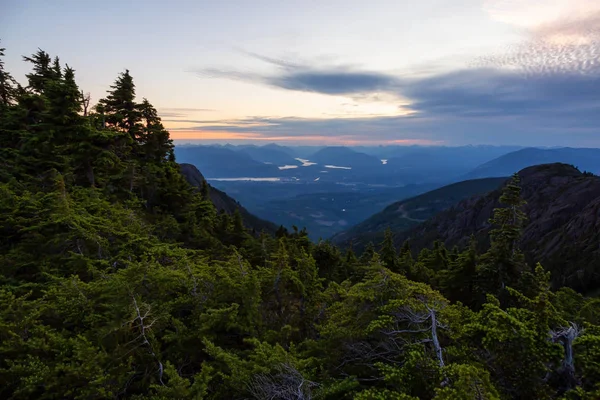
x=119 y=108
x=388 y=252
x=8 y=86
x=42 y=72
x=503 y=264
x=458 y=281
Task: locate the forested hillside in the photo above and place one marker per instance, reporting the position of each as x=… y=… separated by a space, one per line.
x=223 y=202
x=405 y=214
x=120 y=280
x=561 y=228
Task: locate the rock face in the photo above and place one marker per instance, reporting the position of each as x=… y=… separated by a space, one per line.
x=562 y=231
x=225 y=203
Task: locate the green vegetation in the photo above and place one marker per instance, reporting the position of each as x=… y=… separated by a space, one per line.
x=405 y=214
x=120 y=280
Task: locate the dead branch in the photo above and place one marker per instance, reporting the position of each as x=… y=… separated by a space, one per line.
x=139 y=323
x=287 y=384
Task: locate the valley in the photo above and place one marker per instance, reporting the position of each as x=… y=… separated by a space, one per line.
x=332 y=190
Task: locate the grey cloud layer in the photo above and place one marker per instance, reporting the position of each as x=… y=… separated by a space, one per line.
x=545 y=87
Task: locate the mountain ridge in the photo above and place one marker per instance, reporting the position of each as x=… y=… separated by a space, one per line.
x=507 y=164
x=562 y=231
x=407 y=213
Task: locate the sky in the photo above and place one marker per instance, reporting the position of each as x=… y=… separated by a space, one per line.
x=429 y=72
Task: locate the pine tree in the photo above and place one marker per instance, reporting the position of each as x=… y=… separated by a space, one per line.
x=119 y=108
x=154 y=139
x=388 y=252
x=458 y=281
x=42 y=73
x=367 y=254
x=503 y=264
x=329 y=261
x=8 y=86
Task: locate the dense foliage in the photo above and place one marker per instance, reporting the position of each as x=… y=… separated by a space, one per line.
x=119 y=280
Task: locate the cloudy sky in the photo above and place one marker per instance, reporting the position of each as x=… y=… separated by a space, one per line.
x=453 y=72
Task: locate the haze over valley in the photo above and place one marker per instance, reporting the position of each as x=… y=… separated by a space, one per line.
x=329 y=189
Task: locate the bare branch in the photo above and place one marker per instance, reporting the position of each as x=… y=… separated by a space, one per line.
x=287 y=384
x=143 y=327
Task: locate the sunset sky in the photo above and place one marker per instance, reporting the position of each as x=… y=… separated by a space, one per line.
x=452 y=72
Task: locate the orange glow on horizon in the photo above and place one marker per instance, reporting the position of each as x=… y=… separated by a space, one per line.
x=315 y=139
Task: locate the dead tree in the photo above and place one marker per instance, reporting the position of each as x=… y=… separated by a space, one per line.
x=287 y=384
x=424 y=323
x=85 y=102
x=566 y=336
x=139 y=322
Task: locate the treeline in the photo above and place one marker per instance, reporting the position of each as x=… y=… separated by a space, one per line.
x=120 y=280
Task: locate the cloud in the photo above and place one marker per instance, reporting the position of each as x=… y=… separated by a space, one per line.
x=532 y=14
x=180 y=109
x=545 y=89
x=454 y=130
x=334 y=82
x=563 y=47
x=483 y=93
x=177 y=112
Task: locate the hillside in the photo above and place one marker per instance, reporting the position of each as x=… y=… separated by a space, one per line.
x=562 y=231
x=508 y=164
x=405 y=214
x=223 y=202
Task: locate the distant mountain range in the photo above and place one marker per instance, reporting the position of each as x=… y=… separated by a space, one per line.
x=508 y=164
x=383 y=165
x=222 y=162
x=276 y=155
x=444 y=163
x=225 y=203
x=405 y=214
x=345 y=157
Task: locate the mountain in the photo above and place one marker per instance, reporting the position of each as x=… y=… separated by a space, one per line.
x=462 y=157
x=225 y=203
x=269 y=154
x=405 y=214
x=443 y=163
x=222 y=162
x=284 y=149
x=562 y=231
x=344 y=157
x=508 y=164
